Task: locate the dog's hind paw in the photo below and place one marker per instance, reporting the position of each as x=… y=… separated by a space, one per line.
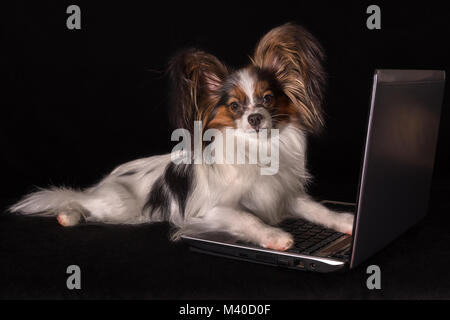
x=69 y=218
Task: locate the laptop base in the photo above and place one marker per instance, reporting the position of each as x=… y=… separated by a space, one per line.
x=265 y=256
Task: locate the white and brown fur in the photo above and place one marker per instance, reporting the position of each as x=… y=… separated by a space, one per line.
x=282 y=85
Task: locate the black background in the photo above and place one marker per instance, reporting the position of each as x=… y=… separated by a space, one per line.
x=77 y=103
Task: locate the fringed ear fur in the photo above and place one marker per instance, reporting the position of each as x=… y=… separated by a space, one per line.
x=295 y=57
x=195 y=79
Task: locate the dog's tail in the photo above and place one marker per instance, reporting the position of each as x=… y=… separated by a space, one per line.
x=47 y=202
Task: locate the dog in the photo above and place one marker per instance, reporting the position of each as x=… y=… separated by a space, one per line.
x=281 y=88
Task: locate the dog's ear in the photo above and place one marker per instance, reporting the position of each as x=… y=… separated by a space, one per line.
x=195 y=79
x=295 y=57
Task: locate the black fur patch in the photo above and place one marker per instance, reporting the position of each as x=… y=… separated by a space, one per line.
x=176 y=182
x=159 y=198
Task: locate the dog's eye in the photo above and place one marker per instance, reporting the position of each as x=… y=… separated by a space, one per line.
x=234 y=106
x=267 y=99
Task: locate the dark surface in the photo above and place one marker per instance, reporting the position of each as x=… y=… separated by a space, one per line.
x=140 y=262
x=78 y=103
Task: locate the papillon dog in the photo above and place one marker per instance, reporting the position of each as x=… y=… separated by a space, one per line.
x=281 y=88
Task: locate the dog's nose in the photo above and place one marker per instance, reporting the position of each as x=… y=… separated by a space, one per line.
x=255 y=119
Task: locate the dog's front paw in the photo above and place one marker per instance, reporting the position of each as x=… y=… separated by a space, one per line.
x=344 y=223
x=277 y=239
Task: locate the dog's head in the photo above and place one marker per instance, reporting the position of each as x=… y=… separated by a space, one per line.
x=282 y=85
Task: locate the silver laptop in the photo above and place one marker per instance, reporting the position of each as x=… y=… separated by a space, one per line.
x=393 y=187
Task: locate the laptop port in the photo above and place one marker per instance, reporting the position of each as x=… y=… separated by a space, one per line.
x=282 y=261
x=299 y=264
x=313 y=266
x=265 y=258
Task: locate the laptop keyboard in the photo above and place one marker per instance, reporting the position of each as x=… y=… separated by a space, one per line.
x=309 y=237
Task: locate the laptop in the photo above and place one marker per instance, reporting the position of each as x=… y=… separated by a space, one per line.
x=393 y=188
